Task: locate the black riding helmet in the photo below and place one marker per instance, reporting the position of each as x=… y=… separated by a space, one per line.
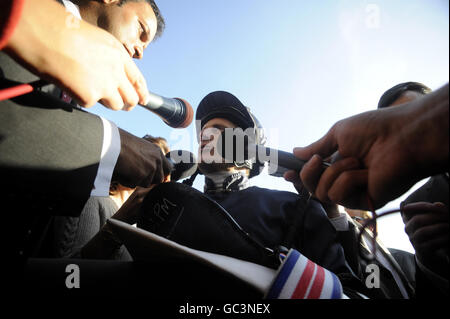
x=225 y=105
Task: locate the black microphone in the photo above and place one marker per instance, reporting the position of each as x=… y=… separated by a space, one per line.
x=176 y=112
x=236 y=147
x=184 y=164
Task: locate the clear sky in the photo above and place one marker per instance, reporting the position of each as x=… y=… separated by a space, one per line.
x=299 y=65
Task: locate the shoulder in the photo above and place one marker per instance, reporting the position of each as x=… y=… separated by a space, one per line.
x=274 y=192
x=271 y=194
x=100 y=203
x=106 y=203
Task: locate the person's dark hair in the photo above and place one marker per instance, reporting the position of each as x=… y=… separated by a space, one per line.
x=395 y=92
x=160 y=141
x=159 y=18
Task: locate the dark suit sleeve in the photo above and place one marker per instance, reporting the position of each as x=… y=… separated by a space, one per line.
x=349 y=241
x=49 y=151
x=10 y=11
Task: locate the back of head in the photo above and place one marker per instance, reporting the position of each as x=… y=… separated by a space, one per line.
x=159 y=141
x=394 y=93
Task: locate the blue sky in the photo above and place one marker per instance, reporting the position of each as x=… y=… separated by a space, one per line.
x=299 y=65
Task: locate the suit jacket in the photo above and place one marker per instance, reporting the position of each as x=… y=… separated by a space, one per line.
x=49 y=156
x=389 y=288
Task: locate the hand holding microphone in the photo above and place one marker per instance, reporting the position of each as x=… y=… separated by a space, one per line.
x=86 y=61
x=235 y=146
x=176 y=112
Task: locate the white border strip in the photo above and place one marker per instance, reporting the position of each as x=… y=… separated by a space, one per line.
x=109 y=155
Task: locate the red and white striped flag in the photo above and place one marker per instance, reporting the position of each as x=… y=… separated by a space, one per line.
x=300 y=278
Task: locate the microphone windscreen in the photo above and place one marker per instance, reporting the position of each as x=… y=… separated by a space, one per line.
x=184 y=164
x=189 y=114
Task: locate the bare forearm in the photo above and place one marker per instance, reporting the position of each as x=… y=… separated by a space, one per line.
x=426 y=133
x=394 y=148
x=33 y=29
x=88 y=62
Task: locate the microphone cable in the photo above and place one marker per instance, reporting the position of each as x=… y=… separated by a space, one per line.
x=372 y=254
x=21 y=89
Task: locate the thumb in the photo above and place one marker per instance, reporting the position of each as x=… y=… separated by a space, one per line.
x=324 y=147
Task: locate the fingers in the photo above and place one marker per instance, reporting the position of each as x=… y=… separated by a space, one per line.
x=411 y=210
x=331 y=174
x=318 y=181
x=131 y=88
x=430 y=236
x=124 y=98
x=310 y=173
x=423 y=220
x=350 y=189
x=427 y=226
x=113 y=100
x=421 y=207
x=82 y=100
x=137 y=81
x=294 y=178
x=331 y=209
x=129 y=95
x=131 y=91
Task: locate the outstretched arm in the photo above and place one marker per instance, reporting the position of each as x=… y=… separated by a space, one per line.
x=86 y=61
x=383 y=153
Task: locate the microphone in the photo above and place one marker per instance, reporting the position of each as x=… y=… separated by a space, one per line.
x=184 y=164
x=176 y=112
x=236 y=147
